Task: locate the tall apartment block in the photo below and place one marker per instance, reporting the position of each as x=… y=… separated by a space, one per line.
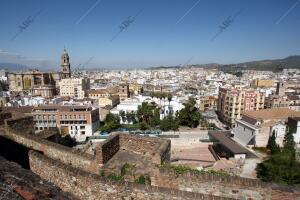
x=232 y=102
x=74 y=87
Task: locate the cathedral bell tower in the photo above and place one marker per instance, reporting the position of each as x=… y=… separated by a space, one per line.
x=65 y=65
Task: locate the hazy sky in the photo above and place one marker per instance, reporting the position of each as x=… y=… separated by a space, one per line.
x=165 y=32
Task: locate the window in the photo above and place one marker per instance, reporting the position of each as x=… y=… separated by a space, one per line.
x=244 y=129
x=82 y=127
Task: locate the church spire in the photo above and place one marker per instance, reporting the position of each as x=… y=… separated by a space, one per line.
x=65 y=64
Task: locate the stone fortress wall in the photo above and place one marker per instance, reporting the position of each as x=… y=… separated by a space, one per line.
x=79 y=173
x=3 y=116
x=90 y=186
x=15 y=132
x=108 y=149
x=156 y=149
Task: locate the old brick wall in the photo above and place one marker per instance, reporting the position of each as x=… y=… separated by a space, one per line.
x=157 y=150
x=65 y=154
x=226 y=186
x=154 y=148
x=93 y=187
x=17 y=183
x=108 y=149
x=21 y=124
x=3 y=116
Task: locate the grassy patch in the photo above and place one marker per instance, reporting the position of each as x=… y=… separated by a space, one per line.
x=182 y=169
x=115 y=177
x=261 y=149
x=143 y=179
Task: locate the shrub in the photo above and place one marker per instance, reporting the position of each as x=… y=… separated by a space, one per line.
x=143 y=179
x=115 y=177
x=181 y=169
x=126 y=169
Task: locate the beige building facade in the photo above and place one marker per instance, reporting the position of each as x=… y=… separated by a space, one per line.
x=74 y=87
x=232 y=102
x=207 y=103
x=124 y=91
x=39 y=83
x=109 y=101
x=276 y=102
x=101 y=93
x=261 y=83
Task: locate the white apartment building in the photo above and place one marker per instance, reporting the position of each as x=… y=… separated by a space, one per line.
x=74 y=87
x=294 y=126
x=132 y=105
x=256 y=127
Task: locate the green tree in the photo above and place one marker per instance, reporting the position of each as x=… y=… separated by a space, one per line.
x=131 y=116
x=169 y=96
x=111 y=122
x=156 y=117
x=128 y=117
x=190 y=114
x=145 y=112
x=281 y=167
x=112 y=118
x=272 y=145
x=122 y=115
x=169 y=123
x=152 y=94
x=144 y=125
x=288 y=142
x=160 y=96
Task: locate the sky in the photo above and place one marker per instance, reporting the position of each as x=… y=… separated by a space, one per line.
x=147 y=33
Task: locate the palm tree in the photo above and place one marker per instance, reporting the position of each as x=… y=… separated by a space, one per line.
x=164 y=95
x=160 y=96
x=152 y=95
x=122 y=115
x=169 y=99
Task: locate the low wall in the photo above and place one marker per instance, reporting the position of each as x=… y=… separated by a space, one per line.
x=154 y=148
x=93 y=187
x=226 y=186
x=17 y=183
x=66 y=155
x=21 y=124
x=108 y=149
x=4 y=116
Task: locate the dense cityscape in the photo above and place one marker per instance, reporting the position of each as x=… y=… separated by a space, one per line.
x=165 y=131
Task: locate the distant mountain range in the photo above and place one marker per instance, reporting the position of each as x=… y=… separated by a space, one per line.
x=263 y=65
x=13 y=66
x=275 y=65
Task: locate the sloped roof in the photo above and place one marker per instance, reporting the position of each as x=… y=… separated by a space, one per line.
x=272 y=114
x=224 y=138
